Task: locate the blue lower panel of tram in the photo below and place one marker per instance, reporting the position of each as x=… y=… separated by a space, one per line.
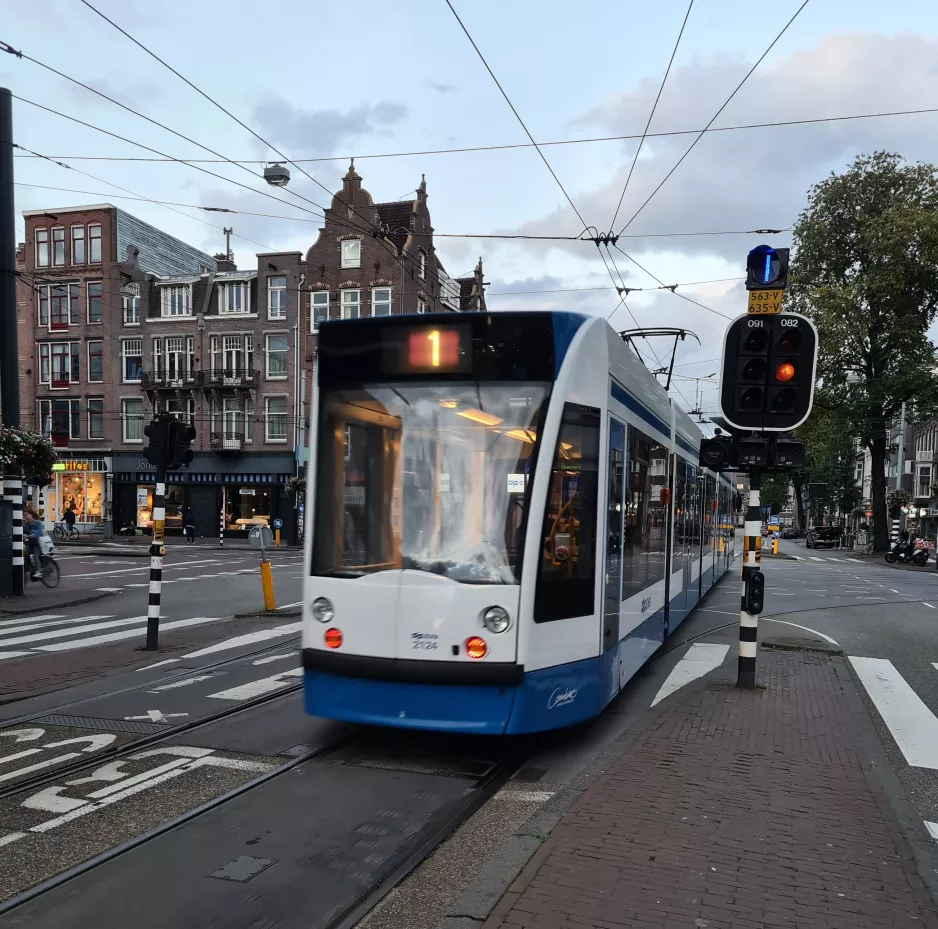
x=547 y=699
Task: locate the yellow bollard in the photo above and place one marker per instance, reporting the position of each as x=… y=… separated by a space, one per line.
x=775 y=545
x=267 y=583
x=277 y=537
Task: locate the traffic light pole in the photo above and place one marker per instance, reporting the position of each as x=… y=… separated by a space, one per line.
x=752 y=549
x=156 y=562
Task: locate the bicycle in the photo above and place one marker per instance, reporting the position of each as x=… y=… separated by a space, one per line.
x=63 y=533
x=867 y=549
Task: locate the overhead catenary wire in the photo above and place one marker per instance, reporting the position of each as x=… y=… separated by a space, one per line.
x=715 y=116
x=651 y=115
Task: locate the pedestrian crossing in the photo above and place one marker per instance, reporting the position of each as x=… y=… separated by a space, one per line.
x=54 y=633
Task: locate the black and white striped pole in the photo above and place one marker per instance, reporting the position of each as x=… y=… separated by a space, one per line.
x=156 y=563
x=221 y=518
x=753 y=588
x=13 y=492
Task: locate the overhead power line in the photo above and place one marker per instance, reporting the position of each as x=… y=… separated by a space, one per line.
x=651 y=116
x=713 y=119
x=517 y=145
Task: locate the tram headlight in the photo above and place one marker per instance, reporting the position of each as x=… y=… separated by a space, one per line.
x=323 y=610
x=496 y=619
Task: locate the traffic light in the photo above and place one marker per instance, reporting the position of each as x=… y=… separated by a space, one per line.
x=157 y=431
x=767 y=268
x=718 y=453
x=755 y=593
x=769 y=364
x=789 y=453
x=181 y=436
x=753 y=453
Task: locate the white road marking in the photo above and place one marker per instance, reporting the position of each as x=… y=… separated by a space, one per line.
x=699 y=660
x=287 y=606
x=893 y=591
x=158 y=664
x=175 y=685
x=68 y=631
x=30 y=619
x=49 y=624
x=931 y=827
x=248 y=638
x=912 y=724
x=4 y=655
x=23 y=735
x=855 y=560
x=257 y=688
x=108 y=590
x=815 y=558
x=784 y=622
x=271 y=658
x=156 y=716
x=19 y=772
x=129 y=633
x=11 y=837
x=928 y=605
x=17 y=755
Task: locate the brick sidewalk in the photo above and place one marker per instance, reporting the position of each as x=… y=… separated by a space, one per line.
x=735 y=810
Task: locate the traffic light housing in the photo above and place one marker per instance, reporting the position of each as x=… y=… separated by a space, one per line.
x=767 y=268
x=769 y=366
x=789 y=453
x=157 y=431
x=181 y=436
x=718 y=453
x=755 y=593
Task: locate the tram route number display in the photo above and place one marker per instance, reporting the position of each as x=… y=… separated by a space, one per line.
x=432 y=349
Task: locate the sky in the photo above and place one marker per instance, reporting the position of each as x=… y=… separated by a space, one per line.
x=400 y=76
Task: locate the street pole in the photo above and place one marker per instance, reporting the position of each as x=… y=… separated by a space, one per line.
x=9 y=354
x=156 y=563
x=749 y=622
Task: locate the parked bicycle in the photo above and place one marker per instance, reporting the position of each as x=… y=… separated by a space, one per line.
x=64 y=532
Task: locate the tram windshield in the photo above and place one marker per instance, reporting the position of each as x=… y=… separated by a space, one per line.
x=427 y=477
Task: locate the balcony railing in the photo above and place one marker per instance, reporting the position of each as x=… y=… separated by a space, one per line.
x=58 y=325
x=229 y=377
x=59 y=379
x=59 y=439
x=227 y=441
x=166 y=380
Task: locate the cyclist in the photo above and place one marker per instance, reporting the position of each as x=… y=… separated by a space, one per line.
x=32 y=530
x=69 y=519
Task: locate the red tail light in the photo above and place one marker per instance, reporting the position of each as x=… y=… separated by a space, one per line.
x=476 y=647
x=333 y=638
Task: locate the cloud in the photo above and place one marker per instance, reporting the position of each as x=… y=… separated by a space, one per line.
x=322 y=132
x=440 y=88
x=755 y=178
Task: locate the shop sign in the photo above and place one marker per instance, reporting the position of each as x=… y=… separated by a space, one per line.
x=70 y=466
x=141 y=496
x=246 y=491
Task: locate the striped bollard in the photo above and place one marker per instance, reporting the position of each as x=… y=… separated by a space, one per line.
x=156 y=565
x=752 y=551
x=13 y=491
x=221 y=520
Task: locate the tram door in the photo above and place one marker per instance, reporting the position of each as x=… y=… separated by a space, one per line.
x=692 y=525
x=609 y=683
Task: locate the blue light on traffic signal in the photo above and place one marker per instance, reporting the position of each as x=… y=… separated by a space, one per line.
x=767 y=270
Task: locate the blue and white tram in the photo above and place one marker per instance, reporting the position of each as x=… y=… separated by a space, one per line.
x=506 y=517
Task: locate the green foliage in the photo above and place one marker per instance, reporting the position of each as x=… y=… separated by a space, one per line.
x=830 y=454
x=774 y=492
x=28 y=451
x=897 y=498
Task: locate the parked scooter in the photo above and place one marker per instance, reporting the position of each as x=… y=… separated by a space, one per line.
x=905 y=553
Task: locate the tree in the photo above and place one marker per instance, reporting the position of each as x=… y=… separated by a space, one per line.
x=774 y=492
x=866 y=271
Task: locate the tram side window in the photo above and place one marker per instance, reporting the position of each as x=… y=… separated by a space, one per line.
x=567 y=570
x=681 y=527
x=645 y=549
x=708 y=514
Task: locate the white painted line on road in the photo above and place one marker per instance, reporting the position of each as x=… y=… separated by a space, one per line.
x=820 y=635
x=184 y=683
x=158 y=664
x=815 y=558
x=4 y=655
x=928 y=605
x=155 y=716
x=249 y=638
x=271 y=658
x=11 y=837
x=797 y=557
x=855 y=560
x=19 y=772
x=69 y=631
x=702 y=609
x=700 y=659
x=108 y=590
x=128 y=633
x=30 y=619
x=912 y=724
x=260 y=687
x=49 y=624
x=893 y=590
x=931 y=827
x=287 y=606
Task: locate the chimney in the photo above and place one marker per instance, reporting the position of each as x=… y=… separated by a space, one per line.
x=224 y=263
x=351 y=183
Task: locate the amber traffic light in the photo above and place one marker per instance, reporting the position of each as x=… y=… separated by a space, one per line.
x=769 y=362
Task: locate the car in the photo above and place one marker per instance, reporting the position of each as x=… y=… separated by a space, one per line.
x=823 y=537
x=790 y=532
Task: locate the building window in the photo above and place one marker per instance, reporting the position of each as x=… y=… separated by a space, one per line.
x=381 y=301
x=78 y=245
x=351 y=253
x=132 y=353
x=248 y=420
x=43 y=306
x=45 y=417
x=132 y=420
x=421 y=305
x=95 y=361
x=59 y=306
x=171 y=359
x=132 y=306
x=318 y=308
x=94 y=301
x=175 y=300
x=858 y=473
x=179 y=409
x=276 y=298
x=277 y=347
x=351 y=300
x=65 y=419
x=422 y=271
x=234 y=299
x=42 y=248
x=249 y=353
x=64 y=362
x=94 y=242
x=43 y=362
x=73 y=316
x=923 y=481
x=276 y=419
x=95 y=417
x=58 y=246
x=190 y=358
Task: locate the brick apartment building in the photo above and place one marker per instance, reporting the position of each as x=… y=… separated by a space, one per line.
x=118 y=320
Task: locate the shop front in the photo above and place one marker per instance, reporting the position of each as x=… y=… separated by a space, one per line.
x=236 y=495
x=80 y=485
